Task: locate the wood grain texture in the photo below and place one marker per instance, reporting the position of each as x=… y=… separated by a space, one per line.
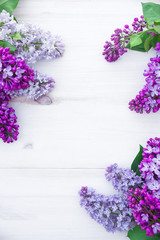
x=44 y=204
x=69 y=143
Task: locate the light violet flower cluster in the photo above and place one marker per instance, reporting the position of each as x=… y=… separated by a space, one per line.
x=112 y=212
x=146 y=210
x=117 y=47
x=122 y=179
x=34 y=44
x=149 y=97
x=150 y=166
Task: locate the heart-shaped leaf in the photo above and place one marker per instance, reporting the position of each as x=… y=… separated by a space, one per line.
x=147 y=44
x=138 y=234
x=157 y=29
x=141 y=41
x=8 y=5
x=151 y=12
x=137 y=161
x=135 y=40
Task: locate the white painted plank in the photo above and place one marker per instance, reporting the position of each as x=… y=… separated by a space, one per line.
x=77 y=134
x=44 y=204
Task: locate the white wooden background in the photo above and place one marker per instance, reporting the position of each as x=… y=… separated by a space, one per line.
x=89 y=126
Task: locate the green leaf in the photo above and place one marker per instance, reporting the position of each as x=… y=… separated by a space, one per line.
x=138 y=234
x=143 y=47
x=157 y=29
x=17 y=36
x=5 y=44
x=147 y=44
x=8 y=5
x=1 y=24
x=139 y=48
x=157 y=23
x=135 y=39
x=151 y=12
x=137 y=161
x=155 y=40
x=3 y=1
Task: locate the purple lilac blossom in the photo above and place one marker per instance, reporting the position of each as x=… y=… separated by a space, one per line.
x=150 y=166
x=146 y=210
x=112 y=212
x=117 y=47
x=149 y=97
x=34 y=45
x=8 y=126
x=4 y=97
x=122 y=179
x=10 y=67
x=41 y=86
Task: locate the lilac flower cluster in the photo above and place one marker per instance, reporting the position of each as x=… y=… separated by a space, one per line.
x=37 y=44
x=149 y=97
x=146 y=210
x=14 y=73
x=138 y=201
x=150 y=166
x=116 y=48
x=16 y=78
x=42 y=85
x=112 y=212
x=4 y=97
x=33 y=44
x=122 y=179
x=8 y=126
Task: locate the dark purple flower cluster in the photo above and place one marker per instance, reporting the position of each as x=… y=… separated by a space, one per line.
x=8 y=126
x=116 y=48
x=122 y=179
x=146 y=210
x=149 y=97
x=112 y=212
x=14 y=75
x=4 y=97
x=150 y=166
